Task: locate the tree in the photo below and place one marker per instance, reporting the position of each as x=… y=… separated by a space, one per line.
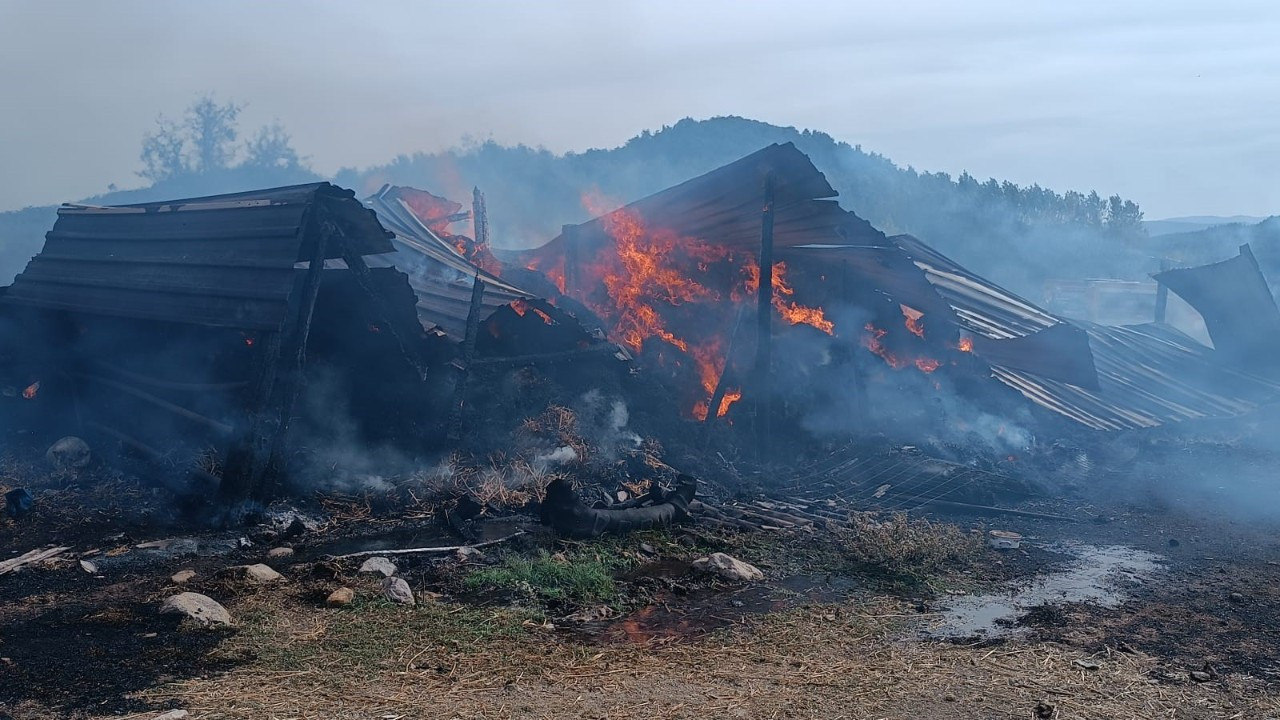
x=211 y=130
x=205 y=141
x=271 y=148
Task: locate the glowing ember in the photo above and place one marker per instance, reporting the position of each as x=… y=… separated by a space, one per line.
x=249 y=340
x=927 y=365
x=966 y=344
x=31 y=390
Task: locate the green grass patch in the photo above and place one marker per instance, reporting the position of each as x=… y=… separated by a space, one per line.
x=576 y=577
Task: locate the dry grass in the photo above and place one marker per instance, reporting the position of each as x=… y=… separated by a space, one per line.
x=901 y=545
x=817 y=662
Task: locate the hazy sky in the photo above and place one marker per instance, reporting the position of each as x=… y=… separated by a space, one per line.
x=1173 y=104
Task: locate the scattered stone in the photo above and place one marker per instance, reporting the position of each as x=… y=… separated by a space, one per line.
x=1200 y=676
x=182 y=576
x=1045 y=710
x=1086 y=664
x=199 y=609
x=1173 y=542
x=172 y=715
x=18 y=502
x=648 y=549
x=728 y=567
x=397 y=591
x=591 y=614
x=380 y=565
x=261 y=574
x=341 y=597
x=277 y=553
x=948 y=698
x=469 y=554
x=1237 y=598
x=69 y=453
x=89 y=567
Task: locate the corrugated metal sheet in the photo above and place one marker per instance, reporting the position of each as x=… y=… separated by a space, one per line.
x=724 y=207
x=225 y=261
x=1237 y=306
x=1143 y=375
x=440 y=276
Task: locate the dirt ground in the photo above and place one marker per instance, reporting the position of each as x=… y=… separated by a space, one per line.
x=820 y=637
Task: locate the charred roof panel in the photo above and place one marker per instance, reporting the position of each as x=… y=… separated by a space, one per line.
x=724 y=207
x=224 y=260
x=1236 y=303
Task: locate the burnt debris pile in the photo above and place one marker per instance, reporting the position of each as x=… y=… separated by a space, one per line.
x=741 y=327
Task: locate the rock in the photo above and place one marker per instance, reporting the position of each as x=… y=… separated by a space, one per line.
x=261 y=574
x=69 y=453
x=397 y=591
x=172 y=715
x=341 y=597
x=1045 y=710
x=1237 y=598
x=18 y=502
x=199 y=609
x=469 y=554
x=182 y=576
x=728 y=567
x=88 y=566
x=277 y=553
x=1086 y=664
x=1200 y=676
x=648 y=549
x=379 y=565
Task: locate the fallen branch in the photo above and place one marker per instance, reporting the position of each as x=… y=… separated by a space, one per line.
x=32 y=557
x=423 y=550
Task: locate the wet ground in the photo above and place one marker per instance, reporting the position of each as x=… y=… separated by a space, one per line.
x=1102 y=576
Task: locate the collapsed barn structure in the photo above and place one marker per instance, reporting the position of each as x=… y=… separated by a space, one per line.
x=752 y=305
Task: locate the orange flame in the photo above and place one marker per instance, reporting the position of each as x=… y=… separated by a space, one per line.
x=522 y=306
x=966 y=344
x=912 y=320
x=793 y=312
x=31 y=390
x=873 y=340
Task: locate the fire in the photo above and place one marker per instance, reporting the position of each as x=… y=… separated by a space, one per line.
x=793 y=312
x=522 y=306
x=873 y=340
x=966 y=344
x=912 y=320
x=31 y=390
x=249 y=340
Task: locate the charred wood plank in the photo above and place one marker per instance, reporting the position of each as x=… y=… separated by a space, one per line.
x=546 y=357
x=989 y=510
x=364 y=278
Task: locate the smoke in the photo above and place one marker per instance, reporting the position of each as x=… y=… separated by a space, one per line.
x=559 y=456
x=602 y=422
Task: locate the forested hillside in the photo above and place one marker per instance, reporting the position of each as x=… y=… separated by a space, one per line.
x=1017 y=235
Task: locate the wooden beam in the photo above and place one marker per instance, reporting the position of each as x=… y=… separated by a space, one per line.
x=570 y=234
x=454 y=431
x=764 y=318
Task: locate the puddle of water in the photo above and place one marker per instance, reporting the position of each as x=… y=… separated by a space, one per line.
x=1099 y=575
x=425 y=537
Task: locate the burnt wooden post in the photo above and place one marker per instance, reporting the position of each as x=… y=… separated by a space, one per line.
x=479 y=218
x=454 y=431
x=279 y=376
x=722 y=384
x=1162 y=293
x=571 y=280
x=364 y=279
x=764 y=331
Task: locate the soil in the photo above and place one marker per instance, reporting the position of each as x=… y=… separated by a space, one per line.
x=1197 y=638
